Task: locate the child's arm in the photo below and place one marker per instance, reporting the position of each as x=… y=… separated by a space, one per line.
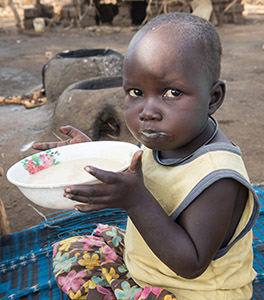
x=76 y=136
x=188 y=245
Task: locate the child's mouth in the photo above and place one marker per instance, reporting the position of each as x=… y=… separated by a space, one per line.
x=152 y=134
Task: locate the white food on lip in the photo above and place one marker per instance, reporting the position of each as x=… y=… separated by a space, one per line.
x=150 y=134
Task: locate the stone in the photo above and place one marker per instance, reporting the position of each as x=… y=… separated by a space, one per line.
x=96 y=107
x=68 y=67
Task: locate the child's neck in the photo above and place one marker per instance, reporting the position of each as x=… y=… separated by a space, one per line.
x=182 y=153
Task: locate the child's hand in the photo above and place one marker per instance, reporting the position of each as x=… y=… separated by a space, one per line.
x=117 y=190
x=76 y=136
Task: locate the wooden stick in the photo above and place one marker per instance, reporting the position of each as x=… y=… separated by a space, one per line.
x=225 y=10
x=4 y=224
x=148 y=12
x=18 y=21
x=56 y=136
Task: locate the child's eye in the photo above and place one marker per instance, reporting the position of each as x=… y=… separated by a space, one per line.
x=172 y=93
x=135 y=93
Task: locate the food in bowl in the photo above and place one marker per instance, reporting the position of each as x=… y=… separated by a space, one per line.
x=72 y=171
x=42 y=177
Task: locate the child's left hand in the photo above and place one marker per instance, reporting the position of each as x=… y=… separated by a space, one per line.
x=117 y=190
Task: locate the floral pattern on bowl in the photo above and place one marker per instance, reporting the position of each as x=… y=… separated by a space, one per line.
x=40 y=162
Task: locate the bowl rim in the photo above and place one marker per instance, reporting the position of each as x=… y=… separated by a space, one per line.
x=134 y=148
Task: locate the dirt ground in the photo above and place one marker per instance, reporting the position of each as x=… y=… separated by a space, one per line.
x=21 y=60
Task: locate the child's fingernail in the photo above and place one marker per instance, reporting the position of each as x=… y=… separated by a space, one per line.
x=87 y=169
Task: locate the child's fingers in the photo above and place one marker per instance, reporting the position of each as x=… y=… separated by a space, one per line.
x=102 y=175
x=40 y=146
x=90 y=200
x=48 y=145
x=71 y=131
x=135 y=164
x=94 y=190
x=89 y=207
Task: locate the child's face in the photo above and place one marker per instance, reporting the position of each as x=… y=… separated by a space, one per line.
x=167 y=95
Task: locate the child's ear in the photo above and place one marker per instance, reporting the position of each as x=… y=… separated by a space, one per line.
x=217 y=96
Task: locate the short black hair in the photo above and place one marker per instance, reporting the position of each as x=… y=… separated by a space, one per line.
x=197 y=31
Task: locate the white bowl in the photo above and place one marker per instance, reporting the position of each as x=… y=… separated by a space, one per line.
x=50 y=194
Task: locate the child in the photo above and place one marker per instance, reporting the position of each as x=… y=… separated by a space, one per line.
x=189 y=202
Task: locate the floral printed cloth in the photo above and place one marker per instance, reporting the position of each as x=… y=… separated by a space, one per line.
x=92 y=268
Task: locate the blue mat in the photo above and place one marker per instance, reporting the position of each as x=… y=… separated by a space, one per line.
x=258 y=247
x=26 y=267
x=25 y=256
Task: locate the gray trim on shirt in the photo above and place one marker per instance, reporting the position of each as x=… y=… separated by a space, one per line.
x=205 y=183
x=200 y=151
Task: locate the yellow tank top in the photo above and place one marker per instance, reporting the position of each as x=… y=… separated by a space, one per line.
x=230 y=274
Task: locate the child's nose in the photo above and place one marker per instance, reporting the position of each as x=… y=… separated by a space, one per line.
x=150 y=112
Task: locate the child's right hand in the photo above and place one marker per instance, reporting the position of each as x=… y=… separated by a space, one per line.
x=76 y=136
